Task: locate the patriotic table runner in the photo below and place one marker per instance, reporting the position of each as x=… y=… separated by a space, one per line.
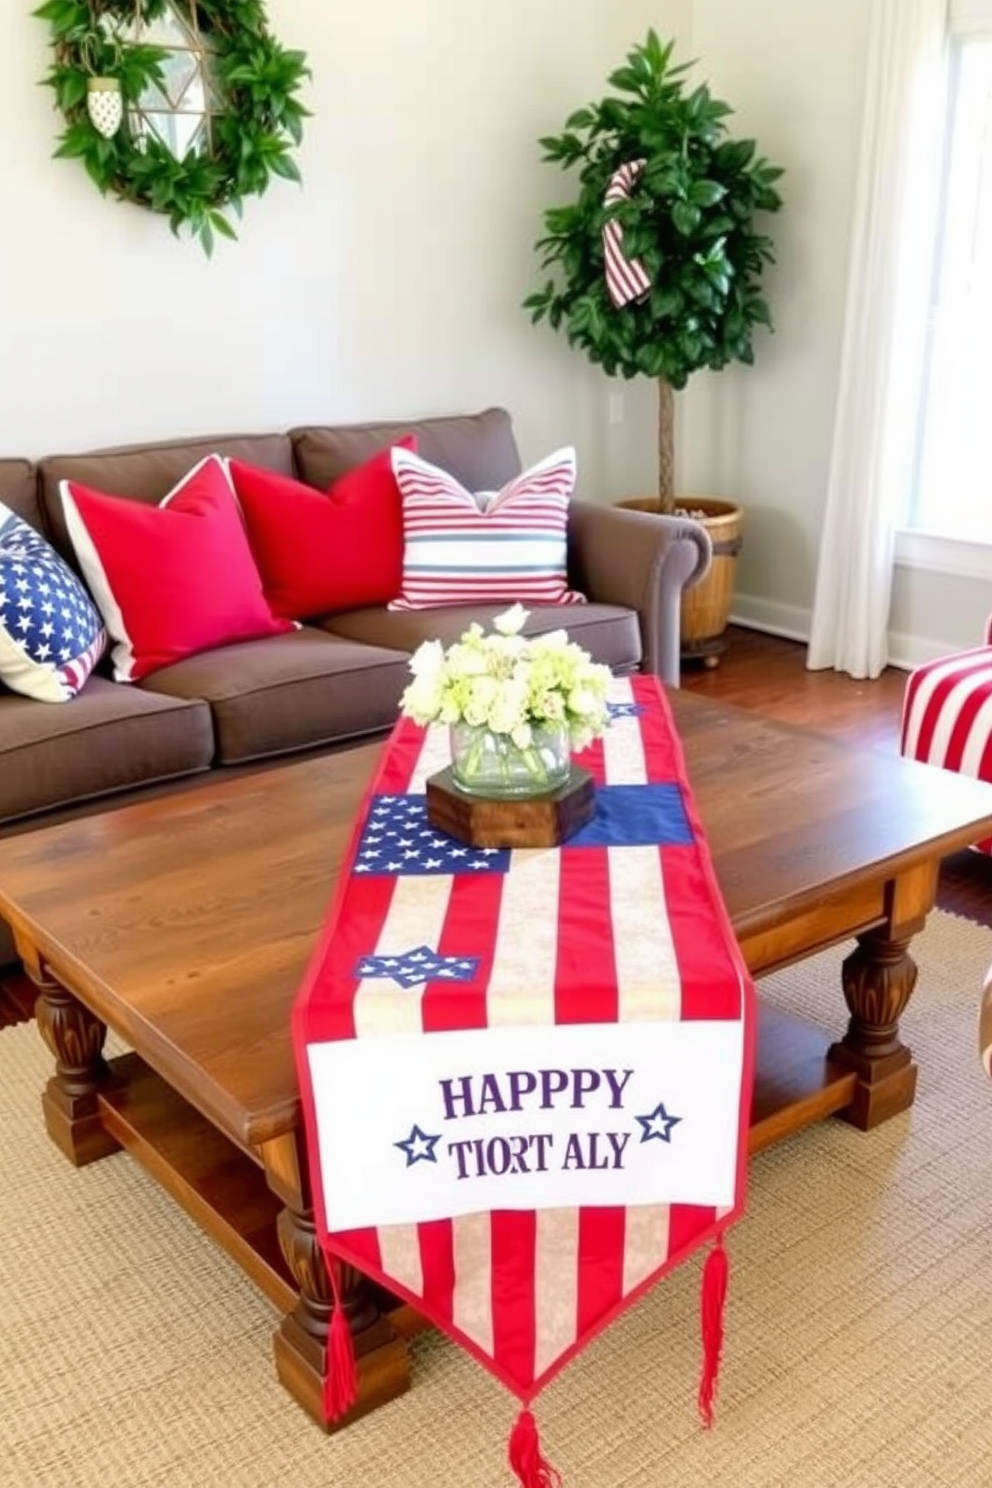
x=526 y=1074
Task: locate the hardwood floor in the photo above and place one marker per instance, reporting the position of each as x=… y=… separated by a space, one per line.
x=766 y=675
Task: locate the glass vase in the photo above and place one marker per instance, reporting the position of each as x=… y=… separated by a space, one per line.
x=488 y=764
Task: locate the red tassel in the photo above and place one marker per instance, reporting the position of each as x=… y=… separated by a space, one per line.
x=341 y=1384
x=711 y=1300
x=525 y=1457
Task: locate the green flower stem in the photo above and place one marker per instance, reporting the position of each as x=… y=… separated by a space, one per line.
x=470 y=767
x=491 y=758
x=536 y=765
x=505 y=751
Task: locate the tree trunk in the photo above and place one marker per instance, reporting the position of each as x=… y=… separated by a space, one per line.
x=666 y=446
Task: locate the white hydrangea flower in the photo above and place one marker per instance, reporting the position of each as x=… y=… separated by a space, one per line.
x=511 y=621
x=423 y=698
x=509 y=683
x=428 y=659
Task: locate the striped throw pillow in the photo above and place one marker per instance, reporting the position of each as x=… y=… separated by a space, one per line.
x=460 y=548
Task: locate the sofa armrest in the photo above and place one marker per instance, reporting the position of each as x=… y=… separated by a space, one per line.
x=641 y=560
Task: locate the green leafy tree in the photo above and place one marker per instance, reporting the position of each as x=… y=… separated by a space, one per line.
x=690 y=218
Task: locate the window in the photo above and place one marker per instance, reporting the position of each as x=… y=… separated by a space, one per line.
x=952 y=495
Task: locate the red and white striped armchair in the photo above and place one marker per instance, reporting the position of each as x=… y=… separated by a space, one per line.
x=947 y=714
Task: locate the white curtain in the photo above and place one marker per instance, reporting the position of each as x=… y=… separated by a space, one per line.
x=889 y=283
x=970 y=17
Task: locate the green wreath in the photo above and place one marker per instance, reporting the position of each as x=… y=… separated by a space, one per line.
x=250 y=139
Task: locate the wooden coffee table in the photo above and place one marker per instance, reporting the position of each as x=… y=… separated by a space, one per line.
x=185 y=925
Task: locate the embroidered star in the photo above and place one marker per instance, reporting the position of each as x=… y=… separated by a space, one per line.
x=624 y=710
x=421 y=964
x=418 y=1146
x=657 y=1124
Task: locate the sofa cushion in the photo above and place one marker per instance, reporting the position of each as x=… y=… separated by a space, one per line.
x=173 y=579
x=610 y=633
x=296 y=691
x=146 y=472
x=478 y=449
x=324 y=550
x=464 y=548
x=51 y=636
x=109 y=739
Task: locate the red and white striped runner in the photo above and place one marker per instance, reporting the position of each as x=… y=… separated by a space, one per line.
x=621 y=930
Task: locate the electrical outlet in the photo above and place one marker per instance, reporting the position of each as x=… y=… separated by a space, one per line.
x=616 y=408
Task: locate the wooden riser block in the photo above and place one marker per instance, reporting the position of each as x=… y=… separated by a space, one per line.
x=528 y=821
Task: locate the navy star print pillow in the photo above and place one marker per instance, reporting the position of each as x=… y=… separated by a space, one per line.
x=51 y=634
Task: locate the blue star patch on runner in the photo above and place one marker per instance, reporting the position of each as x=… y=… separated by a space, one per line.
x=399 y=839
x=636 y=816
x=410 y=968
x=624 y=710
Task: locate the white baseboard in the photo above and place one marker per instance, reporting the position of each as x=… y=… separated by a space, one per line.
x=909 y=651
x=793 y=622
x=767 y=615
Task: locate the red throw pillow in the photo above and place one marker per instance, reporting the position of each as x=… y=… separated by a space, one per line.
x=170 y=579
x=320 y=551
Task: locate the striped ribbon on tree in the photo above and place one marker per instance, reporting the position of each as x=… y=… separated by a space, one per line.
x=626 y=278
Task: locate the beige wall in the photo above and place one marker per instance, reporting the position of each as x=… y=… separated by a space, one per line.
x=390 y=285
x=794 y=71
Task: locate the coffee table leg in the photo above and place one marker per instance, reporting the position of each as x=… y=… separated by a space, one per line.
x=301 y=1339
x=69 y=1103
x=878 y=980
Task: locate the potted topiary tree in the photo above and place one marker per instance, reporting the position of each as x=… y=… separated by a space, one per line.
x=655 y=267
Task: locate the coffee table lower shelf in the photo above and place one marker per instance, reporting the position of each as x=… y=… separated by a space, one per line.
x=213 y=1180
x=795 y=1083
x=225 y=1192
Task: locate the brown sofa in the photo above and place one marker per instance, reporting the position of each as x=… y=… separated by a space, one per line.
x=335 y=680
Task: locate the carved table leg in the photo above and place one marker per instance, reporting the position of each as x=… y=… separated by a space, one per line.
x=878 y=980
x=75 y=1037
x=301 y=1340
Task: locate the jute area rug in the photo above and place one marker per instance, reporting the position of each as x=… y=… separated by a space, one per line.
x=859 y=1327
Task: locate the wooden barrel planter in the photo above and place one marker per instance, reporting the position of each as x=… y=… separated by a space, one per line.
x=706 y=606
